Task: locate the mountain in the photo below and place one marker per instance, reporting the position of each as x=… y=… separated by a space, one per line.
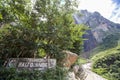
x=100 y=28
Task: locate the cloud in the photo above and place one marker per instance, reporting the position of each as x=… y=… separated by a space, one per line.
x=107 y=8
x=102 y=6
x=116 y=12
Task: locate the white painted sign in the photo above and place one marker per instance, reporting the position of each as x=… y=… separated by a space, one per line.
x=31 y=63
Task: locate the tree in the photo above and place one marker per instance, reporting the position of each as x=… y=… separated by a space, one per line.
x=110 y=41
x=46 y=29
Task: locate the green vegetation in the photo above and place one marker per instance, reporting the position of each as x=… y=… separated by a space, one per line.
x=107 y=63
x=43 y=29
x=81 y=61
x=106 y=57
x=50 y=74
x=40 y=29
x=111 y=41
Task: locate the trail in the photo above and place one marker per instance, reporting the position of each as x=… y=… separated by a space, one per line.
x=89 y=75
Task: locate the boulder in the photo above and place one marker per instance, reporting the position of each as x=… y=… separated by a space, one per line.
x=76 y=69
x=72 y=76
x=70 y=58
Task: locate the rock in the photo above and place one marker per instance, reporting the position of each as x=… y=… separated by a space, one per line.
x=91 y=42
x=71 y=76
x=76 y=68
x=69 y=59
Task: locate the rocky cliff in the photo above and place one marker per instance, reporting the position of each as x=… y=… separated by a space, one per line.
x=100 y=27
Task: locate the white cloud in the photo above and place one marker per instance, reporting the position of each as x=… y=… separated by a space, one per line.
x=116 y=16
x=104 y=7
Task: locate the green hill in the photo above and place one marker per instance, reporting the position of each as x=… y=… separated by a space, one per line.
x=107 y=63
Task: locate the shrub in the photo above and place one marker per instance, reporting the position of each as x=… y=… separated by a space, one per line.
x=108 y=64
x=100 y=71
x=50 y=74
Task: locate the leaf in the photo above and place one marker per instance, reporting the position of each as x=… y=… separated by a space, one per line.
x=1 y=17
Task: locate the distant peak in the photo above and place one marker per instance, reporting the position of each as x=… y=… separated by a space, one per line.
x=96 y=13
x=84 y=11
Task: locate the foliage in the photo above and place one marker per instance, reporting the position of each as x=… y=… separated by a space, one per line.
x=15 y=42
x=100 y=71
x=50 y=74
x=13 y=10
x=108 y=63
x=43 y=29
x=110 y=41
x=80 y=61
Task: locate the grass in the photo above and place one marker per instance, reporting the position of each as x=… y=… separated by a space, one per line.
x=81 y=61
x=106 y=63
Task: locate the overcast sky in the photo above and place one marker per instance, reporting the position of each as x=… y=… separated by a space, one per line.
x=110 y=9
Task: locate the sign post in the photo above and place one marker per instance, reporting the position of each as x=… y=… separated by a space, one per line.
x=31 y=63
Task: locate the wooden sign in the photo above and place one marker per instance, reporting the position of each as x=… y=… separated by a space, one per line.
x=31 y=63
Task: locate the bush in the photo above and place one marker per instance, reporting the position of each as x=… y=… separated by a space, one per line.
x=50 y=74
x=108 y=64
x=16 y=42
x=80 y=61
x=100 y=71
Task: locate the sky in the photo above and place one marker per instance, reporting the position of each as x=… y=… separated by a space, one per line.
x=109 y=9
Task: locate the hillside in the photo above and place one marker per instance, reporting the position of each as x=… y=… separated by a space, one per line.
x=107 y=63
x=100 y=28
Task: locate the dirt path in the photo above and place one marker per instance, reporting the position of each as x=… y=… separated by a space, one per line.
x=89 y=74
